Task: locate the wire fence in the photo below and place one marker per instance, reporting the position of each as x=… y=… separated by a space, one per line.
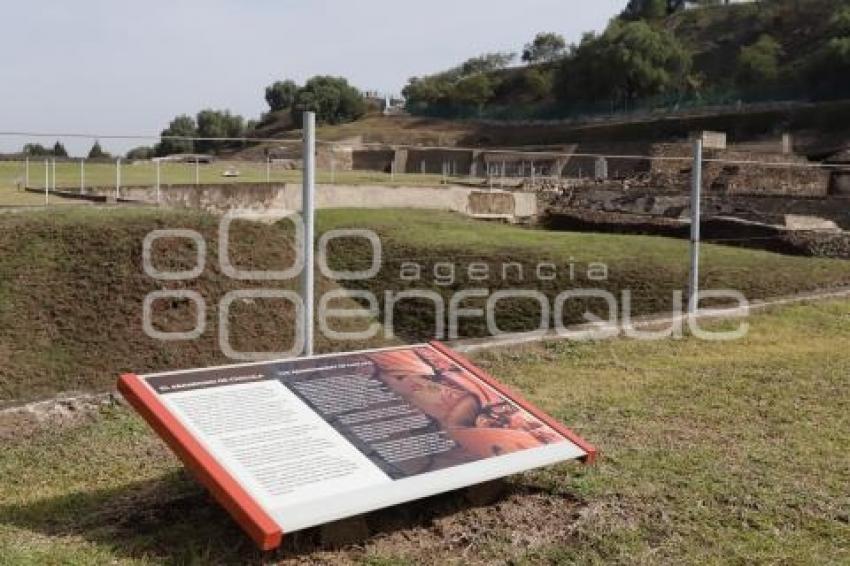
x=565 y=177
x=606 y=184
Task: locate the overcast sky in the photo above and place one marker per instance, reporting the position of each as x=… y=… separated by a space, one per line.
x=109 y=67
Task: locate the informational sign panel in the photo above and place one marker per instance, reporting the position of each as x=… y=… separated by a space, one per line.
x=293 y=444
x=713 y=140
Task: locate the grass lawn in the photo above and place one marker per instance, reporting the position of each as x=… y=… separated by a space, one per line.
x=144 y=173
x=72 y=286
x=72 y=290
x=11 y=196
x=712 y=453
x=651 y=268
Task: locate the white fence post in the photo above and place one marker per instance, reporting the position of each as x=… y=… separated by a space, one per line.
x=308 y=213
x=158 y=180
x=117 y=178
x=696 y=189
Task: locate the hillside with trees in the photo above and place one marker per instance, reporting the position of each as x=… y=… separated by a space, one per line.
x=656 y=54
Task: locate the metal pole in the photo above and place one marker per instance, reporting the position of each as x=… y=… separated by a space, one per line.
x=82 y=175
x=46 y=182
x=117 y=178
x=392 y=171
x=158 y=180
x=27 y=172
x=308 y=213
x=696 y=188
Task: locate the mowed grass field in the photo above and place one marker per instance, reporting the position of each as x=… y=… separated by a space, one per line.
x=68 y=176
x=721 y=452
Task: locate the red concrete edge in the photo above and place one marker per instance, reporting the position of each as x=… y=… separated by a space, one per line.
x=591 y=450
x=253 y=519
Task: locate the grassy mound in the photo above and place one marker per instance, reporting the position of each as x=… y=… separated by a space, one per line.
x=651 y=268
x=72 y=289
x=712 y=452
x=72 y=285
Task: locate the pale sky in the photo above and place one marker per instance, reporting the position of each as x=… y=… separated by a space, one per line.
x=119 y=67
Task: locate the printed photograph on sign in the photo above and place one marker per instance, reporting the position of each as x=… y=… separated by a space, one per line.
x=414 y=410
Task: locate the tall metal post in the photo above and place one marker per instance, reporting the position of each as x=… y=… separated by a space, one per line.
x=117 y=178
x=46 y=182
x=308 y=214
x=158 y=179
x=696 y=189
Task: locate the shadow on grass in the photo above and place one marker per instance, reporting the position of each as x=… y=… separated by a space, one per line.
x=173 y=519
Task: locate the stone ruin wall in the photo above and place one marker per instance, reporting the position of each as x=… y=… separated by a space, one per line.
x=746 y=179
x=751 y=179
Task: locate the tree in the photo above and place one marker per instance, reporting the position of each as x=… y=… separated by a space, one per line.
x=828 y=70
x=142 y=152
x=218 y=124
x=36 y=150
x=96 y=152
x=839 y=23
x=59 y=150
x=629 y=61
x=654 y=9
x=281 y=95
x=474 y=90
x=758 y=64
x=332 y=99
x=444 y=93
x=546 y=47
x=486 y=63
x=424 y=94
x=182 y=126
x=538 y=83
